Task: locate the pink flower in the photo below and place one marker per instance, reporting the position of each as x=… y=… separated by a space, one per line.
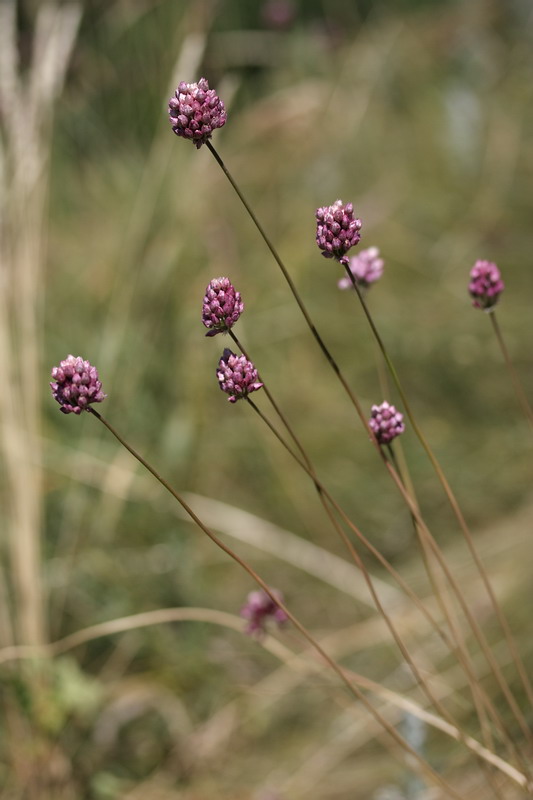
x=485 y=285
x=259 y=608
x=76 y=385
x=386 y=422
x=195 y=111
x=366 y=267
x=237 y=376
x=337 y=230
x=222 y=306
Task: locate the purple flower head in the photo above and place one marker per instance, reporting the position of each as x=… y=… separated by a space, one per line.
x=337 y=230
x=195 y=111
x=237 y=376
x=366 y=267
x=76 y=385
x=222 y=306
x=386 y=423
x=485 y=285
x=259 y=607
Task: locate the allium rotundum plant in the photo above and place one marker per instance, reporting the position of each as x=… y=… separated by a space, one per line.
x=386 y=423
x=485 y=285
x=366 y=267
x=222 y=306
x=237 y=376
x=76 y=385
x=337 y=230
x=195 y=111
x=259 y=608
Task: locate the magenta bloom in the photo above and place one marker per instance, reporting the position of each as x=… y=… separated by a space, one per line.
x=386 y=422
x=485 y=285
x=237 y=376
x=366 y=267
x=76 y=385
x=337 y=230
x=195 y=111
x=222 y=306
x=259 y=608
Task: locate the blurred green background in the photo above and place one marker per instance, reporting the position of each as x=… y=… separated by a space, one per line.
x=420 y=114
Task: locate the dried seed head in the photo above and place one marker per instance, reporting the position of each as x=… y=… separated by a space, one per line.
x=76 y=385
x=485 y=285
x=222 y=306
x=337 y=230
x=237 y=376
x=195 y=111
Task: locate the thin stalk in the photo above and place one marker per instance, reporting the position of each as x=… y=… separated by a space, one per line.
x=519 y=390
x=456 y=648
x=354 y=690
x=468 y=537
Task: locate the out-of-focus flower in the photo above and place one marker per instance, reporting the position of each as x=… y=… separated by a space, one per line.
x=259 y=608
x=278 y=13
x=222 y=306
x=485 y=285
x=386 y=422
x=195 y=111
x=337 y=230
x=366 y=267
x=76 y=385
x=237 y=376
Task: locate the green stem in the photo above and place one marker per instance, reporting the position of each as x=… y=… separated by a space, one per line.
x=520 y=394
x=352 y=687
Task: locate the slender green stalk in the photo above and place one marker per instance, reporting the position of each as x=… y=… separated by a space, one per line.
x=466 y=531
x=352 y=687
x=519 y=390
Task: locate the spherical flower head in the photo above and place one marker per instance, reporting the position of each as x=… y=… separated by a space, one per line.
x=337 y=230
x=76 y=385
x=485 y=285
x=237 y=376
x=259 y=608
x=386 y=423
x=222 y=306
x=366 y=267
x=195 y=111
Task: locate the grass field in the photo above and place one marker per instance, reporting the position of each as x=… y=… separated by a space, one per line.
x=113 y=227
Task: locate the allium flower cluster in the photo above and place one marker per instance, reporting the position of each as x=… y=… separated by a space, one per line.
x=195 y=111
x=237 y=376
x=222 y=306
x=366 y=267
x=337 y=230
x=485 y=285
x=76 y=385
x=259 y=608
x=386 y=423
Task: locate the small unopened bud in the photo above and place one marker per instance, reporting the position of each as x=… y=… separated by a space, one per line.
x=237 y=376
x=485 y=285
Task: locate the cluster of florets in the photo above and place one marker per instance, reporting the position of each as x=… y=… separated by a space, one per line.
x=237 y=376
x=195 y=111
x=222 y=306
x=485 y=285
x=259 y=608
x=337 y=230
x=366 y=267
x=76 y=385
x=386 y=423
